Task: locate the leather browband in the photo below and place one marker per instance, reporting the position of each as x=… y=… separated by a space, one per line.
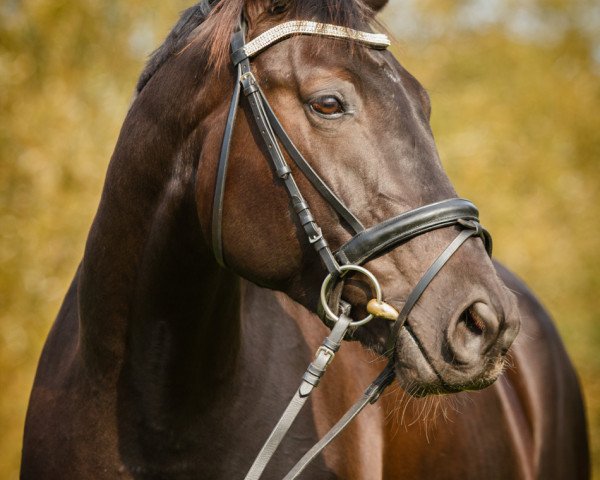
x=378 y=239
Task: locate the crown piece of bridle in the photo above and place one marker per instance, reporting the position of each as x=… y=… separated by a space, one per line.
x=307 y=27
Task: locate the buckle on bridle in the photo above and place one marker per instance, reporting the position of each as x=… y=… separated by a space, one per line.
x=315 y=238
x=327 y=352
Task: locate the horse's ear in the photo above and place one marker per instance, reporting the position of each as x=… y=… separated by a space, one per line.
x=376 y=5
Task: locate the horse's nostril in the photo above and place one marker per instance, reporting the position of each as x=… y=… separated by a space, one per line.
x=473 y=321
x=473 y=334
x=484 y=318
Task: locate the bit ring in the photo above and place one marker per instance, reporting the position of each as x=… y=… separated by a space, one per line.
x=325 y=291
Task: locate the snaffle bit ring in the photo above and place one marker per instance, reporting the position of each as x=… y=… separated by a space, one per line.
x=325 y=292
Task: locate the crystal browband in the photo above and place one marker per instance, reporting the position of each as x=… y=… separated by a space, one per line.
x=306 y=27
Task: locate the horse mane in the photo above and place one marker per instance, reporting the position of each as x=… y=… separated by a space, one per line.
x=190 y=19
x=221 y=19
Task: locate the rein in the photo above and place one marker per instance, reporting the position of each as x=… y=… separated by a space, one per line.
x=365 y=244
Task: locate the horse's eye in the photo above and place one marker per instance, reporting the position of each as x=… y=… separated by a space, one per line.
x=327 y=105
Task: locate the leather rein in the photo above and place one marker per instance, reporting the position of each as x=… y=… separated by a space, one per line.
x=366 y=243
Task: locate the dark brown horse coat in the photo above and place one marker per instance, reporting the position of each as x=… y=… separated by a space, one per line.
x=163 y=365
x=529 y=424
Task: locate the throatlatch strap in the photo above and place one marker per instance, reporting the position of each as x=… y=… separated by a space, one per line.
x=217 y=212
x=237 y=41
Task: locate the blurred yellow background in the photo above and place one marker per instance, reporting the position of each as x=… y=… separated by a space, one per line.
x=515 y=87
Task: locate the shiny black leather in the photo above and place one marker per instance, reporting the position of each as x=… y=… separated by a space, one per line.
x=381 y=238
x=312 y=176
x=217 y=210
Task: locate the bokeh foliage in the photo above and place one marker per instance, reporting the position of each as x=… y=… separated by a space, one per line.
x=515 y=114
x=67 y=73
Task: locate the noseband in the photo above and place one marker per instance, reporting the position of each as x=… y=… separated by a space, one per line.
x=365 y=244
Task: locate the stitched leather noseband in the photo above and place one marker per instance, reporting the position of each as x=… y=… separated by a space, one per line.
x=365 y=244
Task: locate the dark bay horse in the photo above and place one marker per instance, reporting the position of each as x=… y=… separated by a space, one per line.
x=164 y=365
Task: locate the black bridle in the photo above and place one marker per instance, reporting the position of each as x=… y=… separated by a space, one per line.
x=366 y=243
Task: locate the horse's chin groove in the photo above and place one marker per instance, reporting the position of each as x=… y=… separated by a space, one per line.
x=416 y=374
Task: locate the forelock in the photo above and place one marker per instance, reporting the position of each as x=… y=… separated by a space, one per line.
x=220 y=22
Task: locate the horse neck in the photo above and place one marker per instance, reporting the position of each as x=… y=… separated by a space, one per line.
x=149 y=290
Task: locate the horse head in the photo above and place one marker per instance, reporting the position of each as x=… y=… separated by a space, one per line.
x=362 y=123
